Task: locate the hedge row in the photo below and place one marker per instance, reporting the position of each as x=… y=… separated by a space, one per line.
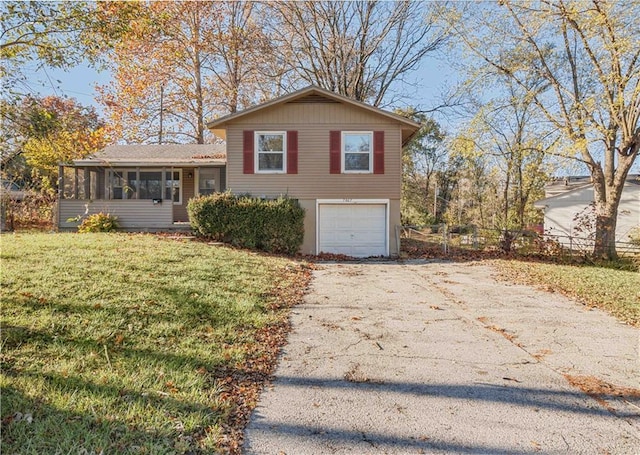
x=276 y=226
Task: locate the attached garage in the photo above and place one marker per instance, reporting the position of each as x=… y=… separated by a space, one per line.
x=358 y=228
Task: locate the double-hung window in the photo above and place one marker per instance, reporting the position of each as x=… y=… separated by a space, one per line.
x=270 y=151
x=207 y=180
x=357 y=151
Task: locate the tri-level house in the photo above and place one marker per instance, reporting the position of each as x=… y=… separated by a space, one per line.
x=341 y=159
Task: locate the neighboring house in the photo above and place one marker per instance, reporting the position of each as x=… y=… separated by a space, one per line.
x=146 y=186
x=568 y=200
x=341 y=159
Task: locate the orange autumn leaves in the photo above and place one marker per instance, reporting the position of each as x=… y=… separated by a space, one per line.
x=58 y=130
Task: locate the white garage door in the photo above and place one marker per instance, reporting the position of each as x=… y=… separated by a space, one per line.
x=358 y=230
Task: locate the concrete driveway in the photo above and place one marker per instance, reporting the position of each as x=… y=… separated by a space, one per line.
x=440 y=357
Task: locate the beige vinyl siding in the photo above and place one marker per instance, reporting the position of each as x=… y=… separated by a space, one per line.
x=132 y=214
x=313 y=179
x=313 y=123
x=394 y=226
x=309 y=241
x=313 y=114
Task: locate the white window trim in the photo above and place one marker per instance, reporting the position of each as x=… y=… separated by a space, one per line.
x=180 y=175
x=385 y=202
x=196 y=180
x=284 y=153
x=343 y=152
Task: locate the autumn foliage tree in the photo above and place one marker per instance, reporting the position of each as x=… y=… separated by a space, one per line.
x=426 y=165
x=588 y=54
x=507 y=135
x=56 y=34
x=45 y=132
x=38 y=132
x=181 y=64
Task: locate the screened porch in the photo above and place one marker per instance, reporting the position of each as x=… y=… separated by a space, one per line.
x=143 y=198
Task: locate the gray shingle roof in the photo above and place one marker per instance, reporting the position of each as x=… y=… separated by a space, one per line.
x=166 y=154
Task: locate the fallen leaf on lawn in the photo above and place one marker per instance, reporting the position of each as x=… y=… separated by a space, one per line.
x=171 y=387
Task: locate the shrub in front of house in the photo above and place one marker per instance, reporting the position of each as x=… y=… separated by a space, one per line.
x=272 y=225
x=99 y=222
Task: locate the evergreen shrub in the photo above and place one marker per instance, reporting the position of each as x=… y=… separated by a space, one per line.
x=272 y=225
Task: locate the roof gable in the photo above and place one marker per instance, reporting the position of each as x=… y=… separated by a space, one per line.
x=316 y=95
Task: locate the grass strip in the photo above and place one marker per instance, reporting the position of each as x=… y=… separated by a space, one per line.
x=614 y=290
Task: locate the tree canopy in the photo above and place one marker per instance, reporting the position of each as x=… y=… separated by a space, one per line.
x=56 y=34
x=588 y=55
x=43 y=132
x=358 y=49
x=183 y=63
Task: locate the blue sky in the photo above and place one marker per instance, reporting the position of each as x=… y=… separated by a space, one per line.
x=78 y=83
x=423 y=91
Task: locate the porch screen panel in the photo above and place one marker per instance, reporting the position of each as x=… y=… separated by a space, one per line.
x=150 y=185
x=68 y=191
x=117 y=185
x=131 y=189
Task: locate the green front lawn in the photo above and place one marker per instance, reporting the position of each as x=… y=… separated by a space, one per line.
x=129 y=343
x=614 y=290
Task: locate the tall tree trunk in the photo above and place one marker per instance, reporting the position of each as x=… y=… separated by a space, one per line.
x=197 y=76
x=605 y=241
x=607 y=195
x=608 y=184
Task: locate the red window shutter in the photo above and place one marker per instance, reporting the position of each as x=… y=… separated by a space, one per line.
x=247 y=152
x=334 y=152
x=378 y=152
x=292 y=152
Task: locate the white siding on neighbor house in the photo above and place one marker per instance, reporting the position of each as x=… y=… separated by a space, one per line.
x=560 y=212
x=132 y=214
